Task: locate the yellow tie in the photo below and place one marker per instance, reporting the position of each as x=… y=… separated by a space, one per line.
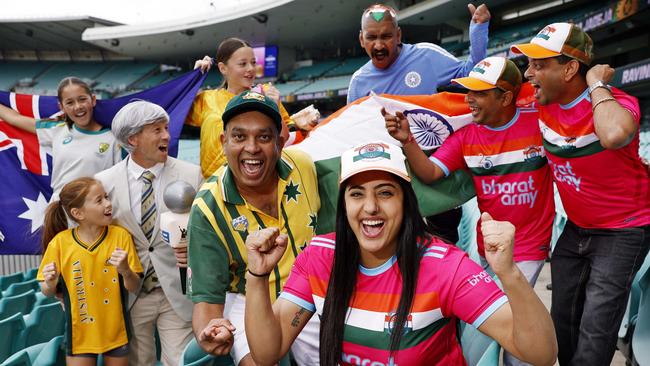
x=148 y=210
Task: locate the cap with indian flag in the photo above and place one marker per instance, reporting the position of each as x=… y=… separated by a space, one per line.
x=558 y=39
x=492 y=72
x=373 y=156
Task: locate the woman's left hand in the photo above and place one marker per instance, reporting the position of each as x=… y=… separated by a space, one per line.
x=498 y=240
x=272 y=92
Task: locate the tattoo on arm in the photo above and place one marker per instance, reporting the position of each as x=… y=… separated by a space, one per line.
x=296 y=319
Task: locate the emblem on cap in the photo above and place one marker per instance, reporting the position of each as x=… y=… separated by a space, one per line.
x=545 y=33
x=253 y=95
x=481 y=66
x=371 y=152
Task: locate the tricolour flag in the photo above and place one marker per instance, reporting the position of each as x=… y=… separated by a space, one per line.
x=431 y=118
x=25 y=186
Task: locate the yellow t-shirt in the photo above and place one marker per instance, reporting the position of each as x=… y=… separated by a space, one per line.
x=206 y=113
x=93 y=292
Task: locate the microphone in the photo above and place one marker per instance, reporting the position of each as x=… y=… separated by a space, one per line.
x=178 y=197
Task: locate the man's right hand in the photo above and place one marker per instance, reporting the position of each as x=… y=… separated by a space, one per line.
x=204 y=64
x=265 y=248
x=217 y=337
x=397 y=126
x=480 y=14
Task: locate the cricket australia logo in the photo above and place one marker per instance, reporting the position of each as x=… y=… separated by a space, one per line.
x=240 y=223
x=546 y=33
x=412 y=79
x=103 y=147
x=372 y=152
x=391 y=318
x=429 y=129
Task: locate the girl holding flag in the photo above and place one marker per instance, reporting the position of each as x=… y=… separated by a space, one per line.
x=80 y=146
x=236 y=62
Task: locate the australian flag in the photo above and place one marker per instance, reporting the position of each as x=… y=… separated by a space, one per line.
x=25 y=182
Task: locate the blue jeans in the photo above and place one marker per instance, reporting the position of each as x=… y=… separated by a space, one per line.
x=592 y=272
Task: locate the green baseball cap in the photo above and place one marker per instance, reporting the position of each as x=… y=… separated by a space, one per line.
x=252 y=101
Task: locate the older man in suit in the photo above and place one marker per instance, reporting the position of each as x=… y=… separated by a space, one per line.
x=135 y=186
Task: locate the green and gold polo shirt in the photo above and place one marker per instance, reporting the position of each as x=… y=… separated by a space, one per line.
x=221 y=219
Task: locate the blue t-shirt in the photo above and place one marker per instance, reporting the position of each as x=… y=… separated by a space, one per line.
x=419 y=69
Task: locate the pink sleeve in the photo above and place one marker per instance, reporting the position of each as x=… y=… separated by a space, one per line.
x=474 y=294
x=298 y=289
x=628 y=102
x=449 y=156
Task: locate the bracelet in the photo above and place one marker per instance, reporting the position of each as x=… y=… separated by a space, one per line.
x=410 y=139
x=593 y=108
x=259 y=275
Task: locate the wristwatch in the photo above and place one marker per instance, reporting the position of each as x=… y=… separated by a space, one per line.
x=598 y=84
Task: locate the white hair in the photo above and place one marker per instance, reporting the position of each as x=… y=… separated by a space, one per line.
x=132 y=118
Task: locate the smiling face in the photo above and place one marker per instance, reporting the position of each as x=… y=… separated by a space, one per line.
x=546 y=76
x=381 y=41
x=239 y=70
x=252 y=146
x=486 y=105
x=78 y=104
x=96 y=209
x=374 y=209
x=150 y=146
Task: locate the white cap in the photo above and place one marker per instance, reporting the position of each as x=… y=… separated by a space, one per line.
x=373 y=156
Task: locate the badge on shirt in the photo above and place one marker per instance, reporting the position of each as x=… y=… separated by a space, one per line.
x=532 y=154
x=412 y=79
x=103 y=147
x=389 y=323
x=67 y=140
x=240 y=223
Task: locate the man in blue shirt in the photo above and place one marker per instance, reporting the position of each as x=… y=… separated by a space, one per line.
x=414 y=69
x=410 y=69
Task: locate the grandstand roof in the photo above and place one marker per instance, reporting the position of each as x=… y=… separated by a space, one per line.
x=48 y=34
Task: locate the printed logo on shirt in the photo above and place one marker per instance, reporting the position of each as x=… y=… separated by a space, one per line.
x=240 y=223
x=80 y=291
x=486 y=162
x=477 y=278
x=67 y=140
x=391 y=318
x=545 y=33
x=103 y=147
x=563 y=173
x=532 y=154
x=512 y=193
x=357 y=360
x=570 y=143
x=412 y=79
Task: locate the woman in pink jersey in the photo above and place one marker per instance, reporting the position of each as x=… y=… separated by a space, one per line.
x=388 y=291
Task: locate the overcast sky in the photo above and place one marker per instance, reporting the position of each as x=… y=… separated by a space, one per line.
x=122 y=11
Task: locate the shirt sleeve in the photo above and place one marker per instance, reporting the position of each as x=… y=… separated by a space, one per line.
x=46 y=130
x=449 y=156
x=474 y=295
x=628 y=102
x=51 y=255
x=297 y=289
x=449 y=67
x=208 y=274
x=352 y=90
x=132 y=254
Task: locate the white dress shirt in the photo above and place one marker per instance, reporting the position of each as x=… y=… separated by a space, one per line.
x=136 y=184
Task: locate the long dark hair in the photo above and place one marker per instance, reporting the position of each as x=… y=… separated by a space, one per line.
x=225 y=50
x=71 y=80
x=73 y=195
x=342 y=282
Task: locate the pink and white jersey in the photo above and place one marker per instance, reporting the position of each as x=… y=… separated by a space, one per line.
x=450 y=286
x=511 y=178
x=599 y=188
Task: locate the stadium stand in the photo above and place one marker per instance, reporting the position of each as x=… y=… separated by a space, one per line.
x=10 y=325
x=7 y=280
x=12 y=72
x=313 y=71
x=120 y=75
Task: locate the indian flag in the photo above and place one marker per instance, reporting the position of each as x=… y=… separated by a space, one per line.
x=432 y=119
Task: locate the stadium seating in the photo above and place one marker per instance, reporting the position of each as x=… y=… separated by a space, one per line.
x=24 y=357
x=11 y=325
x=12 y=72
x=43 y=323
x=7 y=280
x=193 y=355
x=120 y=75
x=348 y=67
x=21 y=287
x=30 y=274
x=42 y=299
x=49 y=80
x=156 y=79
x=333 y=83
x=641 y=336
x=313 y=71
x=291 y=87
x=213 y=80
x=22 y=303
x=51 y=354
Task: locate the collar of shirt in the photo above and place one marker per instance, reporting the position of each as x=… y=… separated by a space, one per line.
x=136 y=184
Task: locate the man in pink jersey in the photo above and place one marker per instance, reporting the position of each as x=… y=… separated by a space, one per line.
x=591 y=138
x=503 y=151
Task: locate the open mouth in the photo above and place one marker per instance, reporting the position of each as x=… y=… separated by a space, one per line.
x=536 y=89
x=163 y=148
x=380 y=55
x=252 y=167
x=372 y=228
x=474 y=110
x=108 y=214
